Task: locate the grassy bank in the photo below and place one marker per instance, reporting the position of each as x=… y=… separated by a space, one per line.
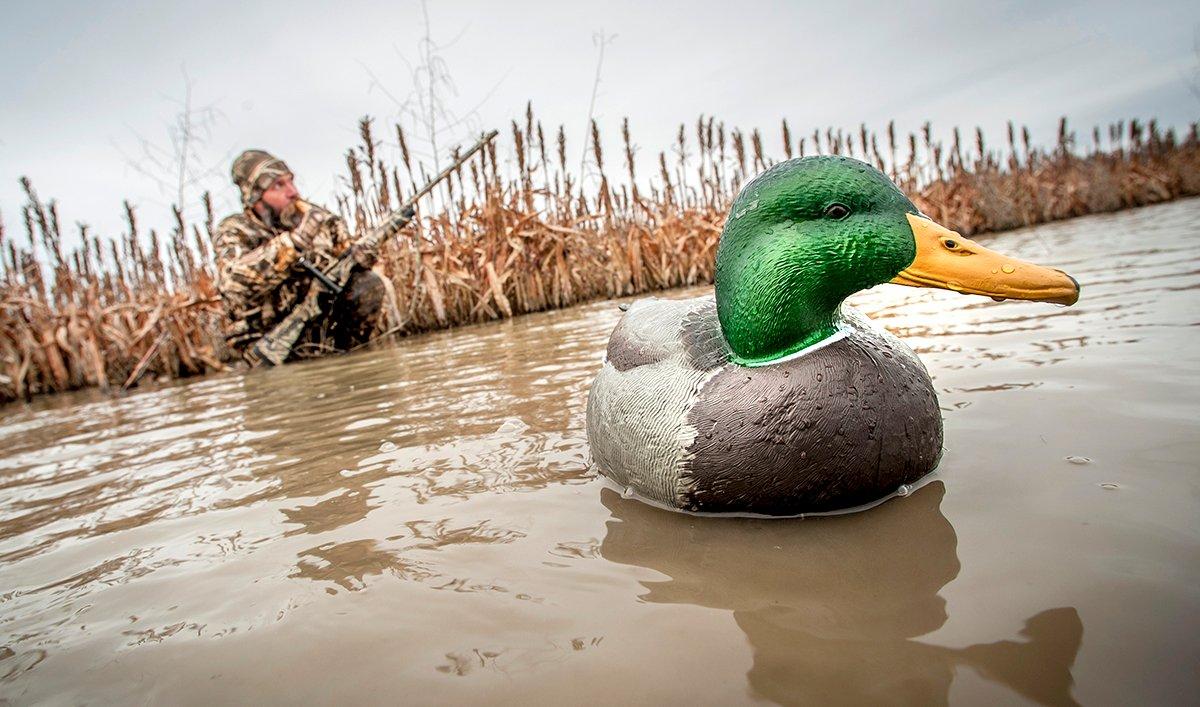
x=517 y=230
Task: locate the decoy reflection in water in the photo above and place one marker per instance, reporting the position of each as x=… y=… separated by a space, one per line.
x=833 y=606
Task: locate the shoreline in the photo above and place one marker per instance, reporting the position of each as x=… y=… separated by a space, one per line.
x=495 y=243
x=96 y=393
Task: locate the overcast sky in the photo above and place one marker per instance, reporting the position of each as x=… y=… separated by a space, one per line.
x=84 y=83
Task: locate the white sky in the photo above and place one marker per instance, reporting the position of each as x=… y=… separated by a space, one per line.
x=82 y=83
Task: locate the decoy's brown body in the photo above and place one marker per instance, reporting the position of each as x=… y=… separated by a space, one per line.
x=843 y=425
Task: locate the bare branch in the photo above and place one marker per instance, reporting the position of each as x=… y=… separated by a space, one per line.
x=601 y=41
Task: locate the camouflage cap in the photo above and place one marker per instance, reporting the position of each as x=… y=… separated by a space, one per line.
x=253 y=172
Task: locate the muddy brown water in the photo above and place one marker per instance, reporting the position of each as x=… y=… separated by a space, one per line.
x=418 y=524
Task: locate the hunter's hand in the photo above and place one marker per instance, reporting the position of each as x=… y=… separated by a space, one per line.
x=305 y=233
x=399 y=219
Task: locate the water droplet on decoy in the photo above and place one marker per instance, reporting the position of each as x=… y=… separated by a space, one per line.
x=1008 y=269
x=1109 y=486
x=387 y=447
x=1078 y=460
x=904 y=490
x=624 y=307
x=627 y=493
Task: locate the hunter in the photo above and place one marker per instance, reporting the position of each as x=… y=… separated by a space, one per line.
x=259 y=277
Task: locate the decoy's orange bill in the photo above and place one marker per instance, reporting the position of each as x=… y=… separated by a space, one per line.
x=948 y=261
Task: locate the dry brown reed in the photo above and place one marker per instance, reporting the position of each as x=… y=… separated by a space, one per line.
x=521 y=234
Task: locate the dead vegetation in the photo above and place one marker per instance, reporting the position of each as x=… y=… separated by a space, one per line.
x=515 y=231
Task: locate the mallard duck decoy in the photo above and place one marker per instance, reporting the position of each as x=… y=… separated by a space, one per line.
x=771 y=396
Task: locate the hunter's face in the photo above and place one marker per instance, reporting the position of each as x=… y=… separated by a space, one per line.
x=280 y=194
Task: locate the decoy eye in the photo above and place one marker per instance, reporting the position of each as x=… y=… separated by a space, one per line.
x=837 y=212
x=951 y=244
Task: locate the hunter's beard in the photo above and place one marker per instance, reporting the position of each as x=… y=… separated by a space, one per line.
x=289 y=217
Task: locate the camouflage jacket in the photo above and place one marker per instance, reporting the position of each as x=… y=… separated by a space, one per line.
x=257 y=271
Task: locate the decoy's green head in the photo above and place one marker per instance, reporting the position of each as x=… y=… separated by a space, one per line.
x=808 y=233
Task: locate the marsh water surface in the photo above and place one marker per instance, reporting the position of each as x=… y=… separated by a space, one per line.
x=418 y=523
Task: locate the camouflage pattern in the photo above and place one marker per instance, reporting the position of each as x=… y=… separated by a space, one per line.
x=254 y=171
x=259 y=277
